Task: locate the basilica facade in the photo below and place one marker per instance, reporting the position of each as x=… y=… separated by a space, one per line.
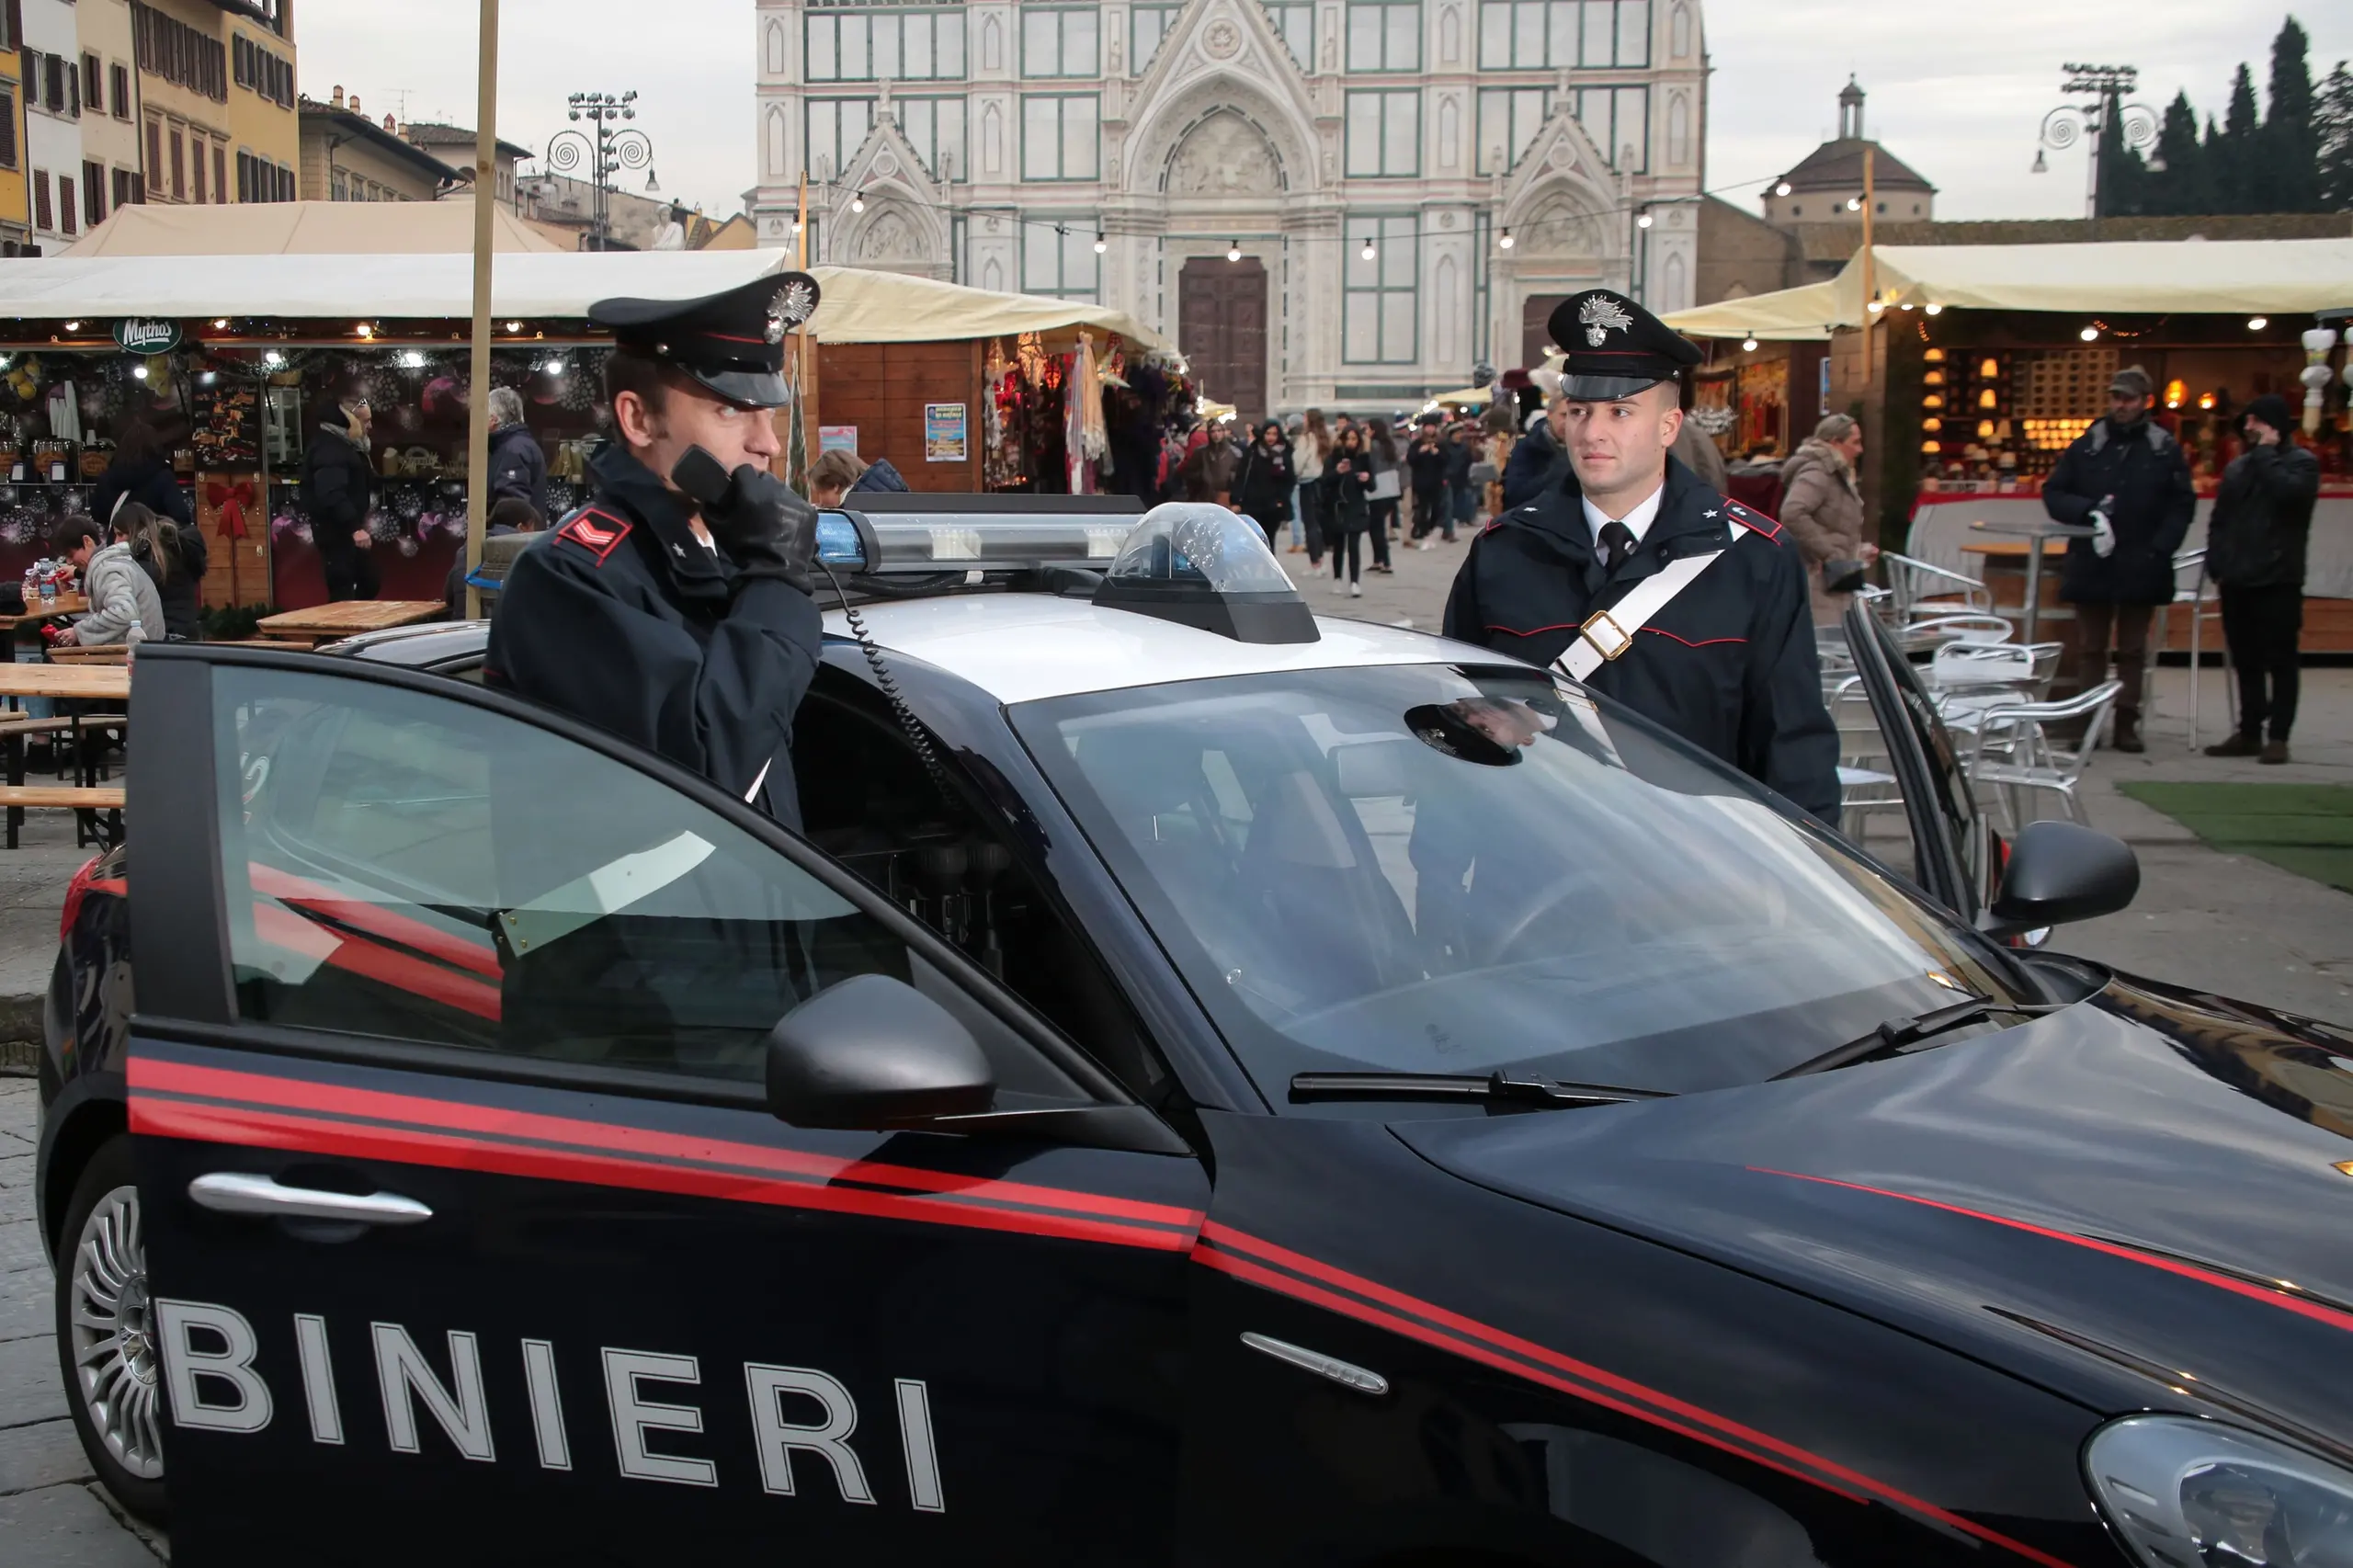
x=1344 y=203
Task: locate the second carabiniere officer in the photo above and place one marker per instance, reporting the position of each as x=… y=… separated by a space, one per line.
x=1645 y=583
x=674 y=608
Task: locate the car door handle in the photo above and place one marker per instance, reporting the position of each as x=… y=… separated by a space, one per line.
x=233 y=1192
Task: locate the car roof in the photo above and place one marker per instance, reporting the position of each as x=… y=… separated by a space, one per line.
x=417 y=647
x=1022 y=647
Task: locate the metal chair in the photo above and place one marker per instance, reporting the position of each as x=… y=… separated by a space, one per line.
x=1919 y=587
x=2203 y=591
x=1865 y=786
x=2016 y=753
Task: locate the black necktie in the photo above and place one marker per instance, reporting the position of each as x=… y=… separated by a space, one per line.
x=1617 y=543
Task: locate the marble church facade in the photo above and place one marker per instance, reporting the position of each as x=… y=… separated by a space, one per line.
x=1339 y=202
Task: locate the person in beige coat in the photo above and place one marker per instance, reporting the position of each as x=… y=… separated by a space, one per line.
x=1823 y=505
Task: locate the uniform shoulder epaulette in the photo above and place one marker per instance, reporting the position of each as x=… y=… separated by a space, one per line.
x=595 y=530
x=1755 y=522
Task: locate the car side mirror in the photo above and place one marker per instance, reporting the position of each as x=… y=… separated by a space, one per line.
x=874 y=1052
x=2060 y=871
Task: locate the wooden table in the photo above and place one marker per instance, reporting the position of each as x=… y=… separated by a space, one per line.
x=82 y=683
x=328 y=623
x=94 y=654
x=36 y=611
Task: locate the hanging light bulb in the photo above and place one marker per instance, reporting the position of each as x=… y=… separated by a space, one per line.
x=221 y=324
x=1854 y=204
x=139 y=371
x=1783 y=188
x=1102 y=244
x=1234 y=250
x=364 y=330
x=1934 y=310
x=2257 y=324
x=1748 y=345
x=1643 y=221
x=2089 y=335
x=1505 y=243
x=514 y=326
x=858 y=202
x=1367 y=252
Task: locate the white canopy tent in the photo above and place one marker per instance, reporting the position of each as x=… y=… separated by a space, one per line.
x=856 y=306
x=2281 y=278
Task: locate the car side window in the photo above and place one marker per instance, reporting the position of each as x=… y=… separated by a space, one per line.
x=412 y=866
x=867 y=799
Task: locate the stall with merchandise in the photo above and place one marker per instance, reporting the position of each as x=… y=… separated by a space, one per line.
x=968 y=390
x=1977 y=365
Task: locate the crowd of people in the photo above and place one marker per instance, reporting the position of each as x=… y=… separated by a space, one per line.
x=1346 y=489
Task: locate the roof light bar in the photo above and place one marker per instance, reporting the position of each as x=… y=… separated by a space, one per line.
x=923 y=535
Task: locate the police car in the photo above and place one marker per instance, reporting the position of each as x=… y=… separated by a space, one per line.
x=1208 y=1084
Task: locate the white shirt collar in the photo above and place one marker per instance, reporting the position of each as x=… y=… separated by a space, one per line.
x=1638 y=521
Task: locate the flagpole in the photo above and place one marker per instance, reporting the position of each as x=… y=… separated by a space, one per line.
x=485 y=209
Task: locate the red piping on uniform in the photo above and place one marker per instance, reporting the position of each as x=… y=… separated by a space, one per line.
x=1251 y=1273
x=355 y=955
x=376 y=920
x=252 y=1128
x=2333 y=1316
x=301 y=1094
x=1215 y=1235
x=1703 y=643
x=730 y=338
x=1539 y=632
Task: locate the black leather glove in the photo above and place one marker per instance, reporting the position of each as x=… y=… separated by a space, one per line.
x=764 y=529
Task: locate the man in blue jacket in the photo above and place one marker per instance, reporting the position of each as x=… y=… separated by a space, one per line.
x=2127 y=477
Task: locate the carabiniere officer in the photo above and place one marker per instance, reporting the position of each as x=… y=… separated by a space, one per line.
x=685 y=625
x=1729 y=661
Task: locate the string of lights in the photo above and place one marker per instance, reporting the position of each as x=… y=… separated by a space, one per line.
x=1366 y=247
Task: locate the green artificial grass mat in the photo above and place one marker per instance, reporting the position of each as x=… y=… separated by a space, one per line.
x=2304 y=828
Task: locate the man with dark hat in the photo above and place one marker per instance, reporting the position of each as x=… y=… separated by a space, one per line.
x=1632 y=575
x=2255 y=545
x=674 y=608
x=2127 y=477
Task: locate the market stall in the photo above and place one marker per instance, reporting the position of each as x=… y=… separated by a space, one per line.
x=968 y=389
x=1976 y=366
x=238 y=345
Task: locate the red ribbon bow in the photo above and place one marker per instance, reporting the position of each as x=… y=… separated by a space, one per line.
x=229 y=502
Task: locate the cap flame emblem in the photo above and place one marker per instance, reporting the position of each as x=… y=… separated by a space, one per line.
x=1600 y=314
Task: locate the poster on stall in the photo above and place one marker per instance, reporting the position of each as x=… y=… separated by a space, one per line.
x=943 y=434
x=837 y=439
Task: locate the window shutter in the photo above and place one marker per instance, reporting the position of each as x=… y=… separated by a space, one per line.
x=94 y=193
x=43 y=218
x=65 y=214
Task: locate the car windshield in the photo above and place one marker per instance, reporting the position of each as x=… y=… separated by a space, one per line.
x=1422 y=869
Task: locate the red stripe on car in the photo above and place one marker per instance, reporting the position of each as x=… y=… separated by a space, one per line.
x=2335 y=1317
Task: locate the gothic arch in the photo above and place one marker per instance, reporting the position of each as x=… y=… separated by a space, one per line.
x=1678 y=131
x=1162 y=127
x=1223 y=154
x=1449 y=36
x=1447 y=311
x=777 y=62
x=1680 y=32
x=1677 y=288
x=1450 y=133
x=779 y=142
x=1559 y=218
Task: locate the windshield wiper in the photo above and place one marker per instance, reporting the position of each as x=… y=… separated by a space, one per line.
x=1897 y=1033
x=1493 y=1088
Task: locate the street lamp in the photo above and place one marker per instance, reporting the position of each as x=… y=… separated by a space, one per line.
x=2107 y=115
x=608 y=147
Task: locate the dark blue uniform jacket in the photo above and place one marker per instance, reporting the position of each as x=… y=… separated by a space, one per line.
x=1728 y=665
x=623 y=617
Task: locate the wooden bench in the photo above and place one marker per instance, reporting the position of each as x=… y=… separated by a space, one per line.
x=15 y=729
x=86 y=801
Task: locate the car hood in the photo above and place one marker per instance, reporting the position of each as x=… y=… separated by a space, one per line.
x=2149 y=1179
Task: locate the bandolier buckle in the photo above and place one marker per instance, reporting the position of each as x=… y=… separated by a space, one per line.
x=1601 y=620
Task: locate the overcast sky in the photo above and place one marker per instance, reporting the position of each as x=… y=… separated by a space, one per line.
x=1961 y=100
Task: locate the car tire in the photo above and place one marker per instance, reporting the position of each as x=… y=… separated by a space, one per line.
x=107 y=1352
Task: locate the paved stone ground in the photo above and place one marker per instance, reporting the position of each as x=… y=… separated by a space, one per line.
x=53 y=1514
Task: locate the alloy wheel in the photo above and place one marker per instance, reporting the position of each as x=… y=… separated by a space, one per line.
x=113 y=1341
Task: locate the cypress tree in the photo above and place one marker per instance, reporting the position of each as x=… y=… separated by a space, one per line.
x=2287 y=176
x=2333 y=133
x=2232 y=160
x=2181 y=188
